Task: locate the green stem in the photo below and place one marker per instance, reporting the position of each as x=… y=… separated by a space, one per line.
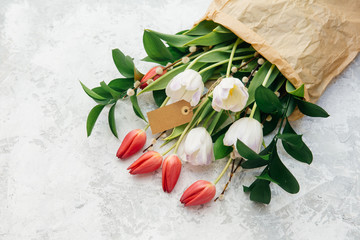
x=266 y=79
x=167 y=151
x=223 y=171
x=146 y=127
x=206 y=53
x=165 y=102
x=208 y=118
x=232 y=56
x=224 y=61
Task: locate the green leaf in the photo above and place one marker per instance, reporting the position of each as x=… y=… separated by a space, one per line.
x=211 y=39
x=215 y=121
x=111 y=119
x=114 y=94
x=291 y=106
x=258 y=79
x=202 y=28
x=102 y=92
x=295 y=147
x=299 y=92
x=288 y=128
x=255 y=163
x=121 y=84
x=155 y=48
x=221 y=29
x=92 y=117
x=247 y=152
x=92 y=94
x=163 y=81
x=123 y=63
x=136 y=107
x=148 y=59
x=267 y=101
x=311 y=109
x=259 y=191
x=207 y=74
x=177 y=131
x=220 y=150
x=159 y=97
x=269 y=126
x=282 y=175
x=173 y=40
x=205 y=112
x=265 y=176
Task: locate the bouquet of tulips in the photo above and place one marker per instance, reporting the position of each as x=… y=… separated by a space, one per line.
x=236 y=97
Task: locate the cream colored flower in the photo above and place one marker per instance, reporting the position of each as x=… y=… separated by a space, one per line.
x=230 y=94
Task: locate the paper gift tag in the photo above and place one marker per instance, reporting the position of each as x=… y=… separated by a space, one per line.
x=170 y=116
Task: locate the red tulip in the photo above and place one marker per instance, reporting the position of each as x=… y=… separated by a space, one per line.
x=199 y=192
x=170 y=172
x=132 y=143
x=151 y=74
x=148 y=162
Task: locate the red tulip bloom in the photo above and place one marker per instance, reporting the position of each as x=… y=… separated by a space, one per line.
x=152 y=74
x=148 y=162
x=170 y=172
x=199 y=192
x=132 y=143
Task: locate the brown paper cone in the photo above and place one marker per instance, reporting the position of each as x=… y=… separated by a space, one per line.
x=310 y=42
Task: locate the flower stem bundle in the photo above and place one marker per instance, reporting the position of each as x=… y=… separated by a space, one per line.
x=237 y=97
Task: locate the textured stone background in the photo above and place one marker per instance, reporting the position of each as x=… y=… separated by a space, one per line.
x=57 y=184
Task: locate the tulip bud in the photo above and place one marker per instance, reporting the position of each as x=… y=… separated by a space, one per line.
x=187 y=85
x=132 y=143
x=230 y=94
x=148 y=162
x=170 y=172
x=152 y=74
x=248 y=130
x=197 y=147
x=199 y=192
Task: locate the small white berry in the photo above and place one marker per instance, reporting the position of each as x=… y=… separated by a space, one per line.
x=221 y=197
x=159 y=70
x=153 y=141
x=164 y=135
x=149 y=81
x=269 y=118
x=192 y=49
x=248 y=111
x=255 y=72
x=232 y=155
x=130 y=92
x=260 y=61
x=234 y=69
x=245 y=79
x=136 y=84
x=277 y=94
x=185 y=60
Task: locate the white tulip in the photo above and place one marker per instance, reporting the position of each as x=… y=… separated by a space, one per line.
x=248 y=130
x=187 y=85
x=197 y=147
x=230 y=94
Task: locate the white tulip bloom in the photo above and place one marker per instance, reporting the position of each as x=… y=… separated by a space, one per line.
x=187 y=85
x=230 y=94
x=248 y=130
x=197 y=147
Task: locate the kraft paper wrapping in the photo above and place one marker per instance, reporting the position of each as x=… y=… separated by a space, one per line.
x=310 y=41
